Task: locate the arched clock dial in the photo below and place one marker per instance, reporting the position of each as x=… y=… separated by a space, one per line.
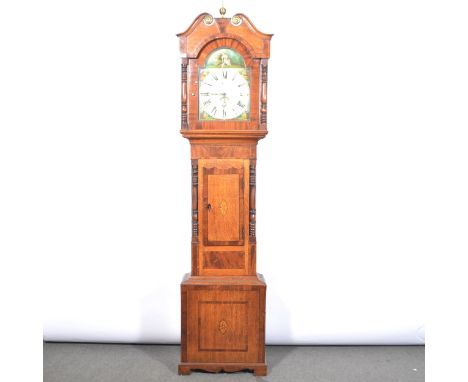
x=224 y=90
x=224 y=94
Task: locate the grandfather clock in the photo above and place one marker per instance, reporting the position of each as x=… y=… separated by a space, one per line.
x=224 y=114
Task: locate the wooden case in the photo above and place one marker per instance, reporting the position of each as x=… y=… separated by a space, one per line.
x=223 y=299
x=223 y=323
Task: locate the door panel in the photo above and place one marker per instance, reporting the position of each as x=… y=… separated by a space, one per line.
x=223 y=208
x=223 y=200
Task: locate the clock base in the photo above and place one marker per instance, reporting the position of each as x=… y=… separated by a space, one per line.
x=223 y=324
x=259 y=369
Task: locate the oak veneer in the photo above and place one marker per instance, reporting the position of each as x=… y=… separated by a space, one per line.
x=223 y=324
x=223 y=298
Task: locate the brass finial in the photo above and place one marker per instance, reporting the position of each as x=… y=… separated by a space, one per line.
x=236 y=20
x=222 y=10
x=208 y=19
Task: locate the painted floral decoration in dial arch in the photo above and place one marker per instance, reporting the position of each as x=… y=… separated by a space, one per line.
x=224 y=91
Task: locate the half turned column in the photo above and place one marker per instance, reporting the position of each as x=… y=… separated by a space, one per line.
x=252 y=214
x=194 y=217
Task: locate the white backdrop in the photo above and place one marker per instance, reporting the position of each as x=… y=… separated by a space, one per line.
x=344 y=176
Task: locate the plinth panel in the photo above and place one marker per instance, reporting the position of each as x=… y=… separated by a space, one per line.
x=223 y=323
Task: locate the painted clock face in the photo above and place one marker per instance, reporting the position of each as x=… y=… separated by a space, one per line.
x=224 y=89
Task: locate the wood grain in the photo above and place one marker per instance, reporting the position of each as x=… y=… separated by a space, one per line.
x=258 y=369
x=224 y=260
x=224 y=319
x=198 y=35
x=223 y=182
x=223 y=299
x=223 y=195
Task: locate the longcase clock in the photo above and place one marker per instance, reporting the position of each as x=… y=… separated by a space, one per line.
x=224 y=114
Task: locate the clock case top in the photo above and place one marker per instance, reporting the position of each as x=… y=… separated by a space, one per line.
x=205 y=35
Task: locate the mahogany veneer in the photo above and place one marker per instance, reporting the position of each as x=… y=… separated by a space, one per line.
x=223 y=324
x=223 y=298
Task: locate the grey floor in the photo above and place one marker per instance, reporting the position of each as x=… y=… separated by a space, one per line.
x=66 y=362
